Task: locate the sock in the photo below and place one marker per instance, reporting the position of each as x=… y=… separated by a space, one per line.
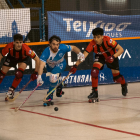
x=95 y=83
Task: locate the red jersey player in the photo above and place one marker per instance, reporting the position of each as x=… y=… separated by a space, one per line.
x=105 y=53
x=17 y=53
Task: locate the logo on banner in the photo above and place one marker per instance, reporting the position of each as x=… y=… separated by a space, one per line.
x=79 y=26
x=124 y=55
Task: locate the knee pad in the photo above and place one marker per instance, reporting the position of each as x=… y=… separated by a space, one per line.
x=1 y=76
x=54 y=78
x=19 y=74
x=118 y=79
x=94 y=72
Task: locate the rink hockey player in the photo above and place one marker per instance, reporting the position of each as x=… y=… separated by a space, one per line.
x=18 y=53
x=106 y=52
x=53 y=58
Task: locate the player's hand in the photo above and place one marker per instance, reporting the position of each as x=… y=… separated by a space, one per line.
x=81 y=56
x=73 y=69
x=39 y=80
x=34 y=76
x=110 y=59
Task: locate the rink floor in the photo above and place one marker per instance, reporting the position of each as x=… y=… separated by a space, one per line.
x=113 y=118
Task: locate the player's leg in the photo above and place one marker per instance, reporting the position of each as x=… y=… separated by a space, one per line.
x=98 y=64
x=54 y=79
x=94 y=75
x=5 y=68
x=3 y=72
x=59 y=91
x=18 y=77
x=117 y=77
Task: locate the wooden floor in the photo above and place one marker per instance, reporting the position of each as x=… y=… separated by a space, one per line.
x=113 y=118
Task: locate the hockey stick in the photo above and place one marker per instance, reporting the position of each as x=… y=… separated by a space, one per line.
x=19 y=92
x=44 y=100
x=17 y=108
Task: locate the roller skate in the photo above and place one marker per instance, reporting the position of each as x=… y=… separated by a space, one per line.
x=93 y=97
x=9 y=94
x=124 y=89
x=48 y=101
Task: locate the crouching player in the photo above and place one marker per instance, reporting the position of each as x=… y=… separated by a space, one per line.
x=53 y=58
x=18 y=53
x=105 y=53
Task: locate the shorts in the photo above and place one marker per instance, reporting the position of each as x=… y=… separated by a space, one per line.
x=114 y=65
x=12 y=62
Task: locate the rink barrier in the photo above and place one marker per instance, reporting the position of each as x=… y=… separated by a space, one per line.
x=129 y=67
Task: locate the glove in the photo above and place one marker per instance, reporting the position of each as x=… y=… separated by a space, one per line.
x=73 y=69
x=34 y=76
x=39 y=80
x=110 y=59
x=81 y=56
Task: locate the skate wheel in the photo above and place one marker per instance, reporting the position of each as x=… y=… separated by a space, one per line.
x=97 y=100
x=90 y=100
x=52 y=103
x=93 y=100
x=44 y=104
x=62 y=93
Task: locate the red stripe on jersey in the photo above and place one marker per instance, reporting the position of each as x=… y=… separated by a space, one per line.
x=17 y=54
x=11 y=51
x=103 y=51
x=95 y=49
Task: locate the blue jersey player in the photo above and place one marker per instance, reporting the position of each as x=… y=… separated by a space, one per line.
x=53 y=58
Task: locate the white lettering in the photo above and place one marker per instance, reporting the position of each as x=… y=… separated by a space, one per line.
x=87 y=78
x=68 y=20
x=70 y=63
x=90 y=79
x=77 y=24
x=78 y=78
x=126 y=52
x=84 y=26
x=92 y=26
x=71 y=79
x=82 y=78
x=122 y=24
x=113 y=25
x=74 y=80
x=123 y=55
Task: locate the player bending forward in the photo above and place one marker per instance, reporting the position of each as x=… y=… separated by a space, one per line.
x=53 y=58
x=18 y=53
x=105 y=53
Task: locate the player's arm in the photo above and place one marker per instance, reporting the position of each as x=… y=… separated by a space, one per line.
x=85 y=54
x=78 y=52
x=36 y=63
x=42 y=63
x=40 y=72
x=4 y=51
x=41 y=67
x=75 y=49
x=119 y=49
x=74 y=68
